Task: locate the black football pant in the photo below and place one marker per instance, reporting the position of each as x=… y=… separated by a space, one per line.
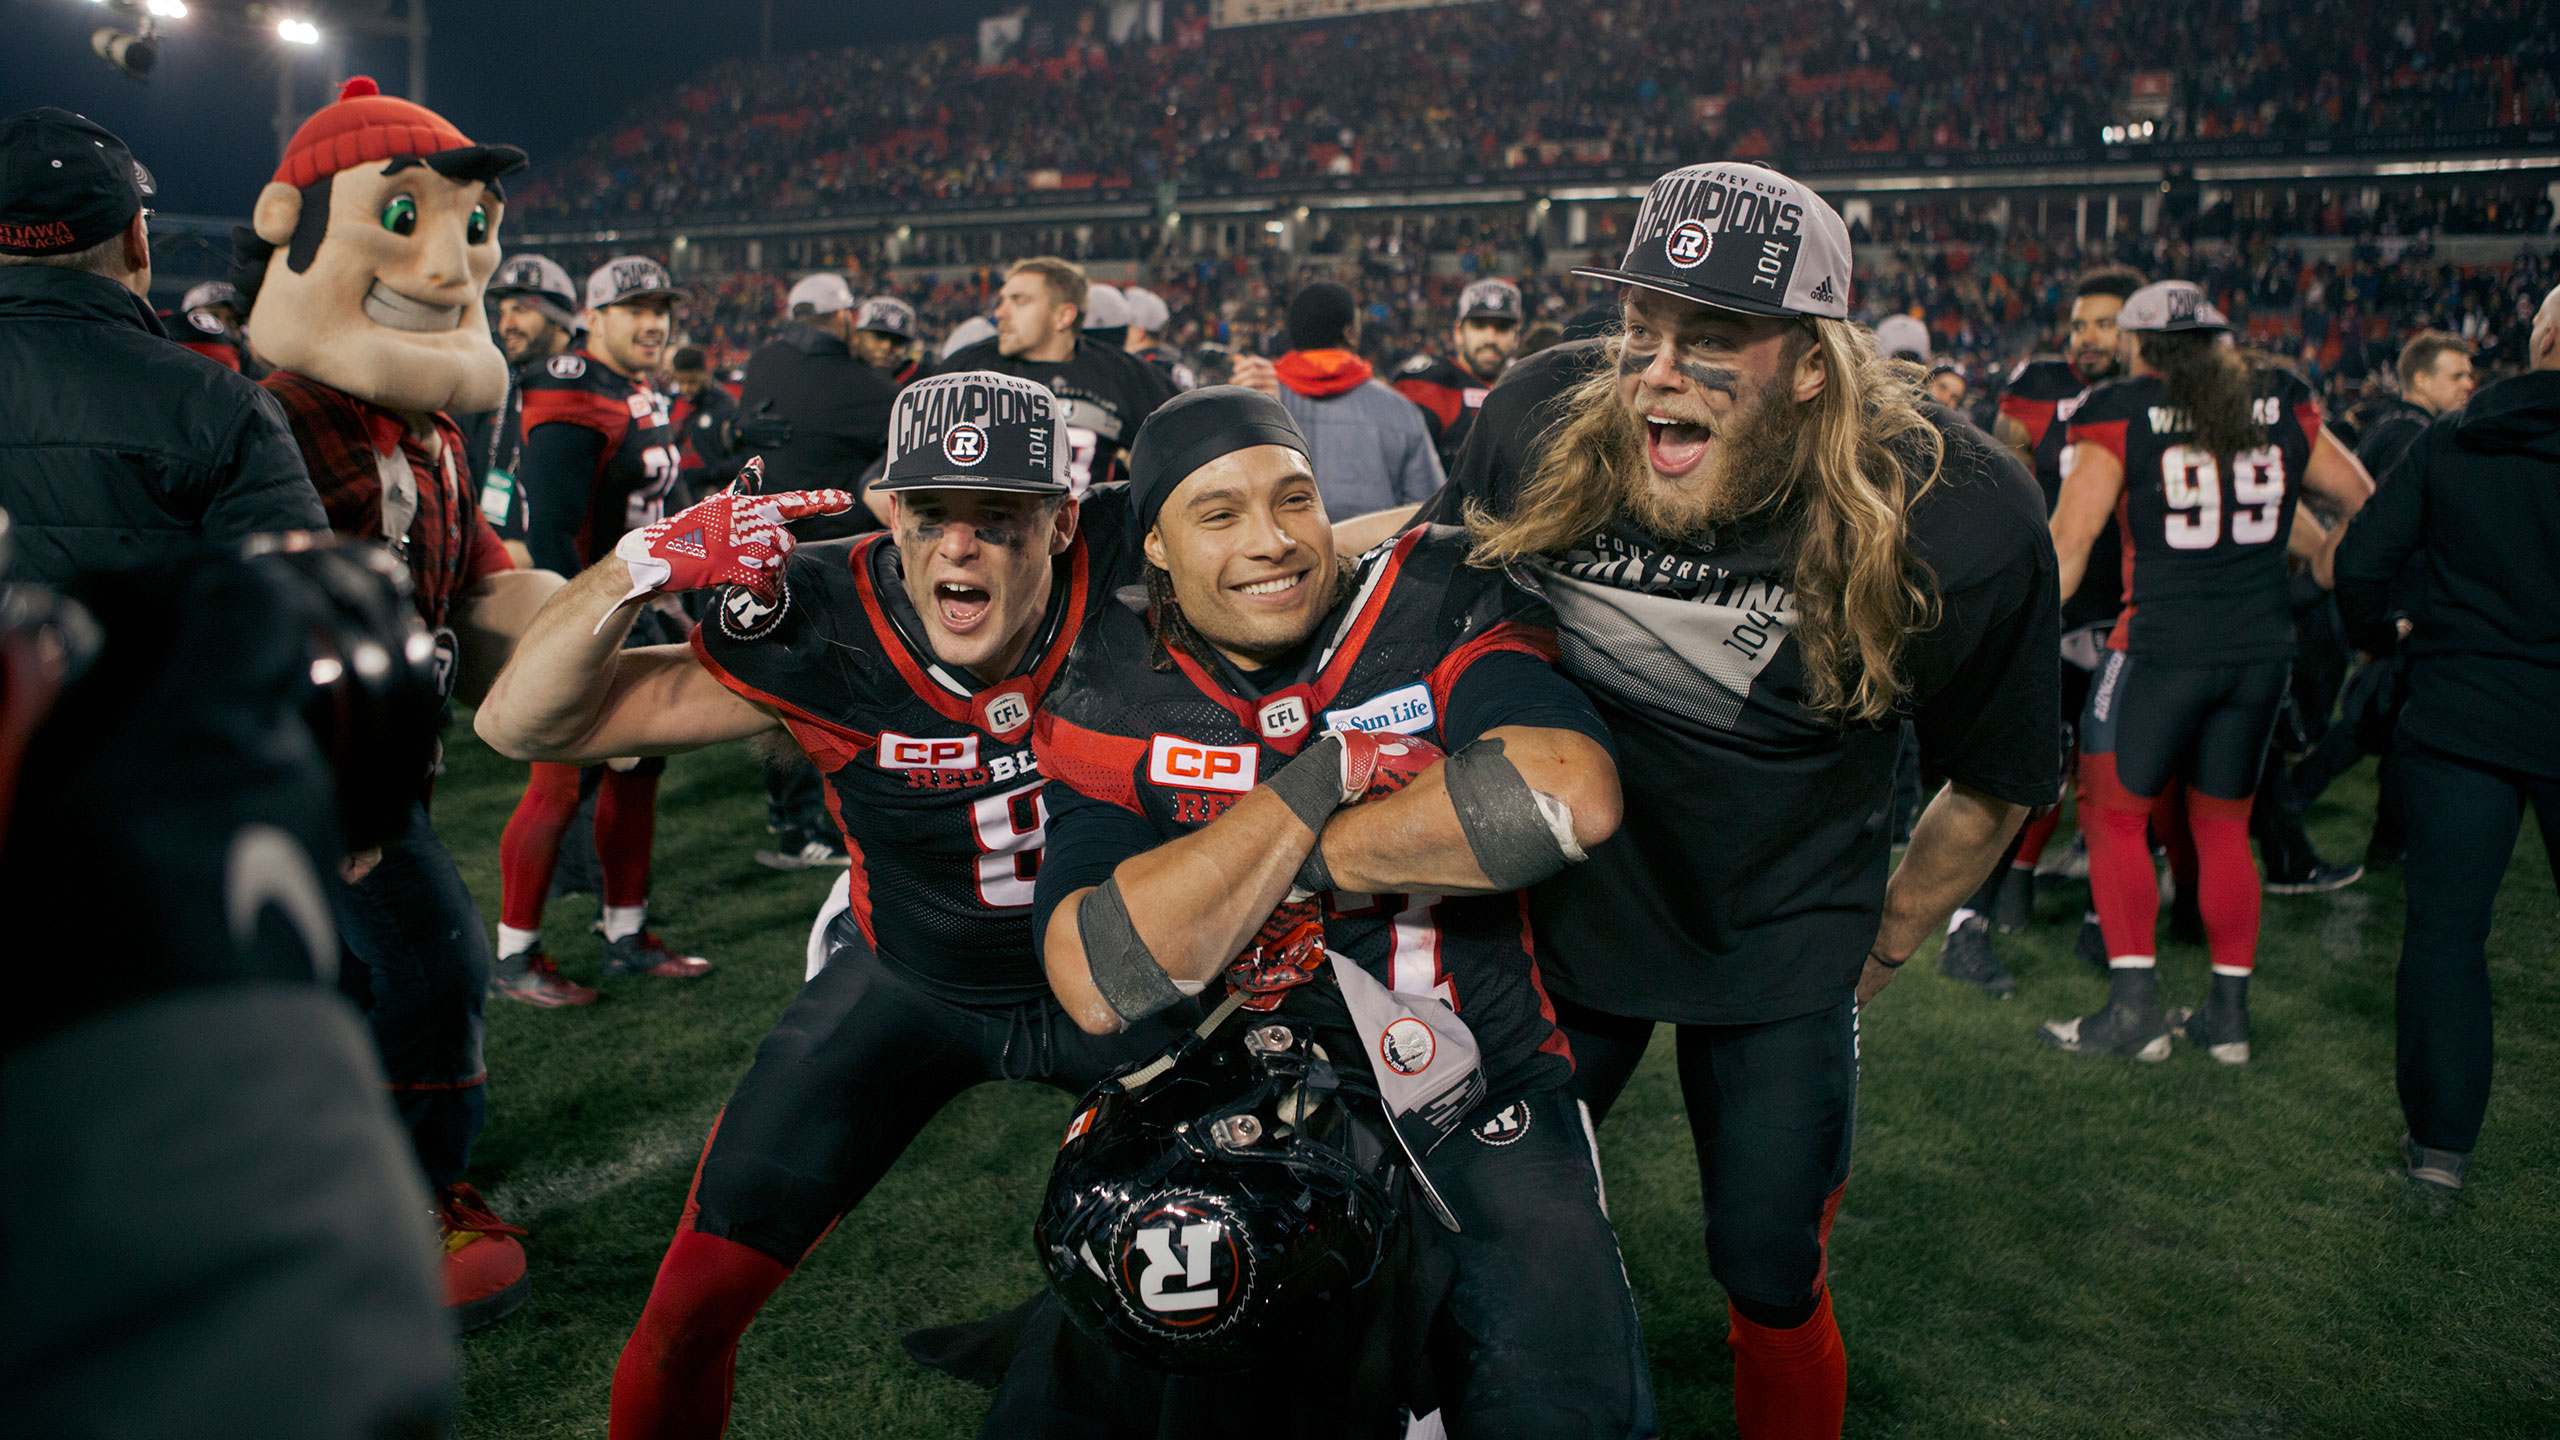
x=2463 y=818
x=851 y=1074
x=415 y=960
x=1773 y=1109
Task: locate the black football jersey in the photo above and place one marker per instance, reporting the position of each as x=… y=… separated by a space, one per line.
x=640 y=459
x=2042 y=396
x=1180 y=747
x=929 y=773
x=2204 y=558
x=1108 y=394
x=1449 y=395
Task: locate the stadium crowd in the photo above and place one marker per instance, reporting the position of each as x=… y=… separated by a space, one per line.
x=1525 y=83
x=1001 y=565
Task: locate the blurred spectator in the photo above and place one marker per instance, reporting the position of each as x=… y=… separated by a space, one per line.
x=705 y=421
x=1370 y=446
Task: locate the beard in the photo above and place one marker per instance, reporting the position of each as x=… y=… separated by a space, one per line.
x=1750 y=469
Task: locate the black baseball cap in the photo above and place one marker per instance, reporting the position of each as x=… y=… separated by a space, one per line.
x=1491 y=300
x=977 y=430
x=66 y=183
x=1738 y=236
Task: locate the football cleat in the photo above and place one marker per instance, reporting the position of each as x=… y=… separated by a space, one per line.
x=2220 y=1031
x=529 y=977
x=2118 y=1030
x=1967 y=957
x=2437 y=1170
x=796 y=849
x=646 y=954
x=484 y=1270
x=2014 y=908
x=2321 y=878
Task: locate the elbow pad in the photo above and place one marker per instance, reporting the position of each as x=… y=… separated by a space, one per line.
x=1123 y=969
x=1519 y=836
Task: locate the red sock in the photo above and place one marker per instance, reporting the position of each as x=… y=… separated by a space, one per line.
x=530 y=849
x=1788 y=1384
x=2227 y=891
x=676 y=1372
x=2037 y=835
x=626 y=828
x=2122 y=884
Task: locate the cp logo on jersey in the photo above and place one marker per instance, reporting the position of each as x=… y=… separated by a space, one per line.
x=906 y=752
x=964 y=445
x=1180 y=1268
x=1689 y=243
x=1172 y=760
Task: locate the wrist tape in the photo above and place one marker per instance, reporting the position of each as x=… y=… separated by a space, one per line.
x=1311 y=785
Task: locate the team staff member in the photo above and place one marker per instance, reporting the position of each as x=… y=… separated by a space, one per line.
x=1258 y=644
x=117 y=449
x=2475 y=504
x=2200 y=455
x=1481 y=344
x=536 y=317
x=599 y=461
x=1040 y=336
x=955 y=623
x=1764 y=556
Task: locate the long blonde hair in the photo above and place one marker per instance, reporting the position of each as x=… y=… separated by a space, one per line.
x=1863 y=455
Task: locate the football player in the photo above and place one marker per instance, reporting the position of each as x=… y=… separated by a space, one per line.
x=599 y=460
x=2199 y=455
x=1481 y=344
x=535 y=317
x=1208 y=751
x=1040 y=336
x=907 y=665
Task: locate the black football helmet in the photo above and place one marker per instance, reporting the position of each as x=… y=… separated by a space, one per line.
x=1208 y=1207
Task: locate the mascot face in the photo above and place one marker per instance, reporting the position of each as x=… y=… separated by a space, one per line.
x=380 y=296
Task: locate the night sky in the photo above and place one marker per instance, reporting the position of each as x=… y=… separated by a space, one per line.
x=542 y=74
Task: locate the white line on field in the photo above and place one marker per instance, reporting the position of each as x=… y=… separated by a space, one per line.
x=547 y=1192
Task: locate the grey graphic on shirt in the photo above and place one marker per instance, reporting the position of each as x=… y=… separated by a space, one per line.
x=1695 y=657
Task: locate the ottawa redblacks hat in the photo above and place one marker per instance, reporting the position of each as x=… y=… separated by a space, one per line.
x=977 y=430
x=539 y=280
x=1491 y=300
x=629 y=277
x=887 y=314
x=1741 y=237
x=66 y=183
x=2170 y=305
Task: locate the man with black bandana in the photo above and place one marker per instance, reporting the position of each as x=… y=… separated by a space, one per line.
x=1765 y=553
x=1210 y=748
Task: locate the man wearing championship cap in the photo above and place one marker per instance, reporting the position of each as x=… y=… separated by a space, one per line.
x=1764 y=557
x=535 y=316
x=907 y=666
x=363 y=266
x=117 y=449
x=1481 y=345
x=884 y=335
x=600 y=458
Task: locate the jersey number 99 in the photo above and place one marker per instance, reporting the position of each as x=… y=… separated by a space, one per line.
x=2191 y=481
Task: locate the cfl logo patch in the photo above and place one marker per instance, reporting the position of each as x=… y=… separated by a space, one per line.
x=1689 y=244
x=1187 y=764
x=1007 y=713
x=1283 y=717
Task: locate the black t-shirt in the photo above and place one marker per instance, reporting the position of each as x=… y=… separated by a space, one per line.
x=1747 y=882
x=838 y=408
x=929 y=772
x=1108 y=394
x=2042 y=396
x=2205 y=580
x=1425 y=645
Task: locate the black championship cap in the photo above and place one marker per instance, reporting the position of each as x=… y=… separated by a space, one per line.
x=1192 y=429
x=66 y=183
x=977 y=430
x=887 y=314
x=630 y=277
x=2170 y=305
x=1741 y=237
x=1491 y=300
x=538 y=280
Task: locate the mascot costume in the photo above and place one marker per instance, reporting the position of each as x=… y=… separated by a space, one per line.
x=363 y=269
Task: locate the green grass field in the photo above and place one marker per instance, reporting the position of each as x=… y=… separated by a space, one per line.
x=2033 y=1244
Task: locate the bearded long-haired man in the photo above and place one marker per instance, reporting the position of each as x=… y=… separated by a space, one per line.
x=1766 y=551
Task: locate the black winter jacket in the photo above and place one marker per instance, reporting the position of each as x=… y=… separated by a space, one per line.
x=2477 y=501
x=119 y=448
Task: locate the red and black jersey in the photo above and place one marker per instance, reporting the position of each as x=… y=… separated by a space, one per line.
x=1449 y=395
x=204 y=333
x=2042 y=396
x=2204 y=561
x=1177 y=748
x=929 y=774
x=631 y=471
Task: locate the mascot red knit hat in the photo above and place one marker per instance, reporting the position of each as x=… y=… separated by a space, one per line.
x=365 y=124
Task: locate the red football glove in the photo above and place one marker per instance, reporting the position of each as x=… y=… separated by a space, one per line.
x=735 y=537
x=1382 y=762
x=1285 y=953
